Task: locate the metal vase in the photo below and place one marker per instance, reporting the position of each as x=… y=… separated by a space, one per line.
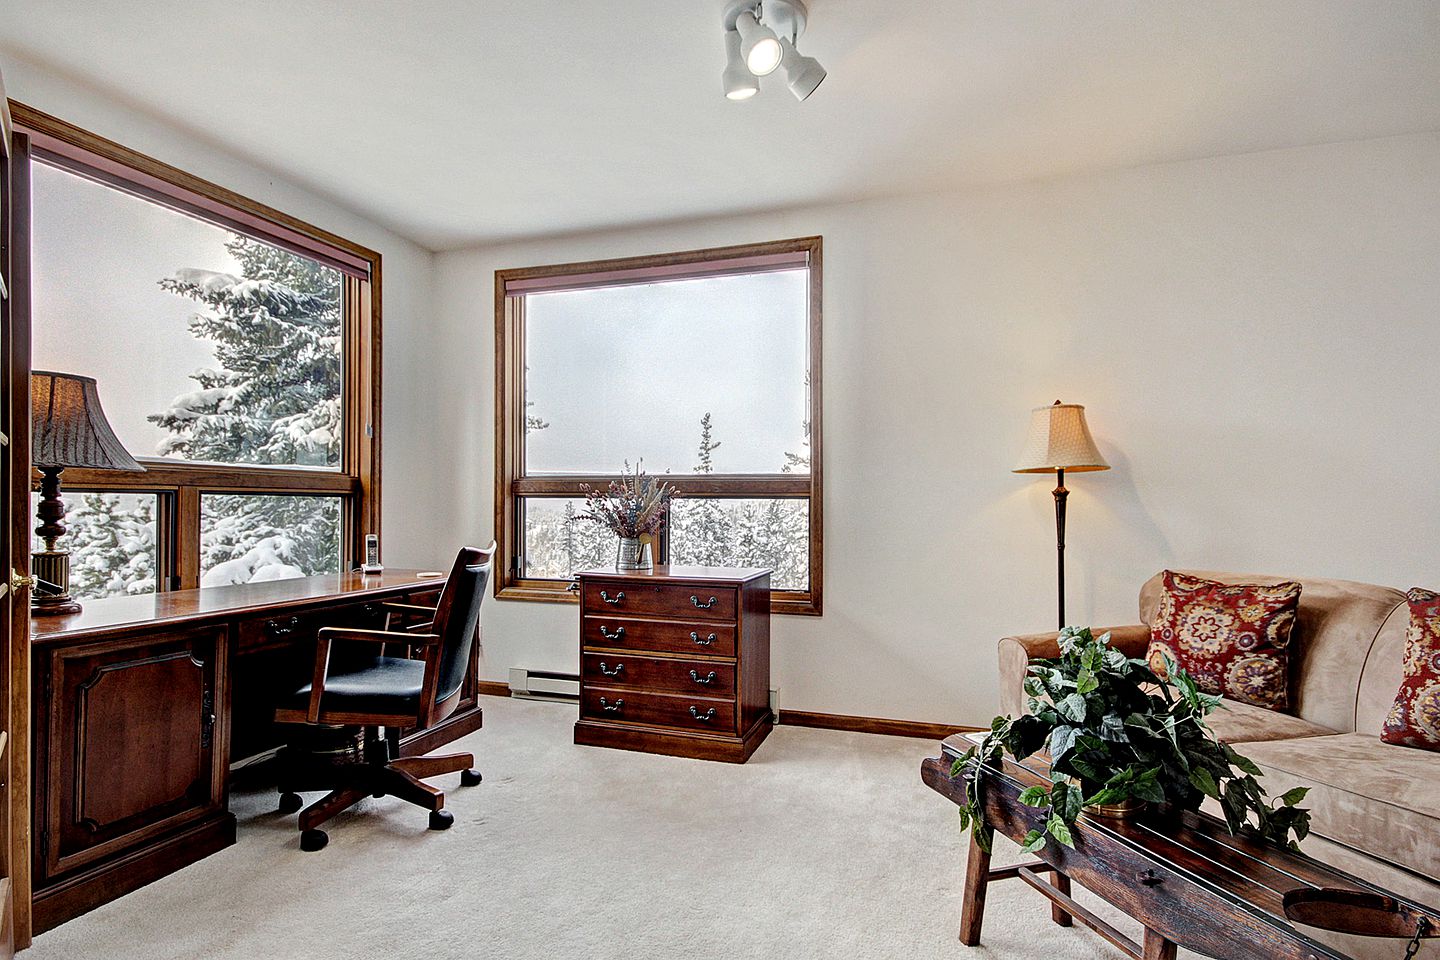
x=632 y=553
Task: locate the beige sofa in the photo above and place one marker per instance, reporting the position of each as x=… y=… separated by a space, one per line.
x=1375 y=807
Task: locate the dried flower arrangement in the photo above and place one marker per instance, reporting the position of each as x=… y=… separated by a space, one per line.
x=632 y=506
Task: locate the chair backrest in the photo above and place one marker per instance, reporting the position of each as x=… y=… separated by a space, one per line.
x=458 y=615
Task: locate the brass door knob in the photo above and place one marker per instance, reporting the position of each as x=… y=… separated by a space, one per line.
x=17 y=582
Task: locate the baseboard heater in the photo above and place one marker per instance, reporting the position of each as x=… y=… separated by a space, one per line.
x=544 y=685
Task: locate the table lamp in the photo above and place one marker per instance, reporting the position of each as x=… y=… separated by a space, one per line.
x=1059 y=440
x=68 y=429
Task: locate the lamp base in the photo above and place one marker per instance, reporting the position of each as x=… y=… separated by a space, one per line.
x=54 y=606
x=51 y=568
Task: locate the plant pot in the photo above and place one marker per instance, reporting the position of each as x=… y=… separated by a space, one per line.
x=1123 y=810
x=634 y=553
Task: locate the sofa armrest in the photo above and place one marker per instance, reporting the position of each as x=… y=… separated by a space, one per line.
x=1017 y=652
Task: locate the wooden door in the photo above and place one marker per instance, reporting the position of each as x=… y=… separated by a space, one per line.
x=132 y=751
x=14 y=538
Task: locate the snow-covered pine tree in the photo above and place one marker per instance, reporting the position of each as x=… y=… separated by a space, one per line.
x=703 y=532
x=273 y=397
x=112 y=545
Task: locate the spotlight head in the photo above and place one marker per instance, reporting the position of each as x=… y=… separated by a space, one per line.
x=802 y=74
x=740 y=83
x=758 y=45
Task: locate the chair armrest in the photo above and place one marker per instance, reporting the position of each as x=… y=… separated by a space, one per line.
x=1016 y=653
x=327 y=635
x=379 y=636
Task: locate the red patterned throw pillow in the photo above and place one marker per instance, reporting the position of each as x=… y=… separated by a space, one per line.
x=1414 y=721
x=1233 y=639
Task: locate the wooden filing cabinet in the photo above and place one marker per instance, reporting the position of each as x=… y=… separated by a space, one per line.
x=675 y=660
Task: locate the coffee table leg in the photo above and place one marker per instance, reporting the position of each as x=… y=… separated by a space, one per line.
x=1057 y=913
x=1157 y=947
x=977 y=877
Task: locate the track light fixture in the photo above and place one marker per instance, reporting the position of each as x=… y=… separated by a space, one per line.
x=760 y=37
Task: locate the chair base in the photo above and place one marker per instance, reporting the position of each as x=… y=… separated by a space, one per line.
x=350 y=779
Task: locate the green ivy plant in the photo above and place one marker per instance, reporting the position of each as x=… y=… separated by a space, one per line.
x=1116 y=732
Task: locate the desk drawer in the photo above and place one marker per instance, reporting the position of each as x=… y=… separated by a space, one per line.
x=263 y=633
x=695 y=677
x=666 y=636
x=624 y=597
x=618 y=705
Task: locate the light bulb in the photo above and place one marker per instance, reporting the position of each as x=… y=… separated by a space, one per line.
x=758 y=45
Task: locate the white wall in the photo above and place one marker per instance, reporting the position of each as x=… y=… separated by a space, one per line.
x=1255 y=338
x=406 y=283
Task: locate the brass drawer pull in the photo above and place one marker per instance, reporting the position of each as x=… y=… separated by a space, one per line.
x=702 y=641
x=282 y=628
x=611 y=673
x=694 y=675
x=703 y=606
x=617 y=634
x=707 y=716
x=615 y=599
x=612 y=707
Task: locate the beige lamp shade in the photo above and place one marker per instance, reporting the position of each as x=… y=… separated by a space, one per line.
x=1059 y=440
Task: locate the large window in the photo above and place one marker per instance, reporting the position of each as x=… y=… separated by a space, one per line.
x=234 y=349
x=705 y=367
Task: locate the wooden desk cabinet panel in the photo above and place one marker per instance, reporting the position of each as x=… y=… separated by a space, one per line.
x=675 y=660
x=132 y=750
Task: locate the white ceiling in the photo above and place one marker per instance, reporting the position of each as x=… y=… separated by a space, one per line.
x=459 y=122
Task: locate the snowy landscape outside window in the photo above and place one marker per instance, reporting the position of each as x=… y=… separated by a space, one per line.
x=225 y=364
x=703 y=365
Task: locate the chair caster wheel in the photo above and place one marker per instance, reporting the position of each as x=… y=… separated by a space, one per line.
x=441 y=819
x=312 y=840
x=470 y=778
x=290 y=802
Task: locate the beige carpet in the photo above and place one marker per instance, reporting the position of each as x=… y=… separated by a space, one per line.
x=824 y=845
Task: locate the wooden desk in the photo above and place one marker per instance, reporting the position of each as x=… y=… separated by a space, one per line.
x=141 y=703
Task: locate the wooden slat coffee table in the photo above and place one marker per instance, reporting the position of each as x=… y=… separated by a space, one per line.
x=1182 y=876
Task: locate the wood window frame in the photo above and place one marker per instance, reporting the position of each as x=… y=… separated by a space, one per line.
x=181 y=484
x=511 y=484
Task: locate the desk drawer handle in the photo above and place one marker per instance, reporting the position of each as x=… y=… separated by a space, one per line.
x=694 y=675
x=703 y=606
x=612 y=707
x=282 y=628
x=705 y=717
x=617 y=634
x=612 y=600
x=702 y=641
x=611 y=673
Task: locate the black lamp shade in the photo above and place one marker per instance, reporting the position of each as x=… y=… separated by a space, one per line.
x=68 y=427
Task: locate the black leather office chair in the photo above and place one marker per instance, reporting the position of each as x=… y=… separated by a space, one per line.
x=349 y=700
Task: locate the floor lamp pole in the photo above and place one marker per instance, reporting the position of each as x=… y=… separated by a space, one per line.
x=1060 y=495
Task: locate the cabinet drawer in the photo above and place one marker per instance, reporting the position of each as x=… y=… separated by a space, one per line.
x=690 y=601
x=668 y=636
x=658 y=709
x=696 y=677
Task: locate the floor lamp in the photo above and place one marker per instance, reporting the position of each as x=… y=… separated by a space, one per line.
x=1059 y=440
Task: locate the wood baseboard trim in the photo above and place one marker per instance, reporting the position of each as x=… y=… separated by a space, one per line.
x=892 y=728
x=492 y=688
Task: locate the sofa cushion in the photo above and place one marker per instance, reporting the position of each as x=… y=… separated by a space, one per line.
x=1343 y=629
x=1236 y=722
x=1233 y=639
x=1364 y=793
x=1414 y=720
